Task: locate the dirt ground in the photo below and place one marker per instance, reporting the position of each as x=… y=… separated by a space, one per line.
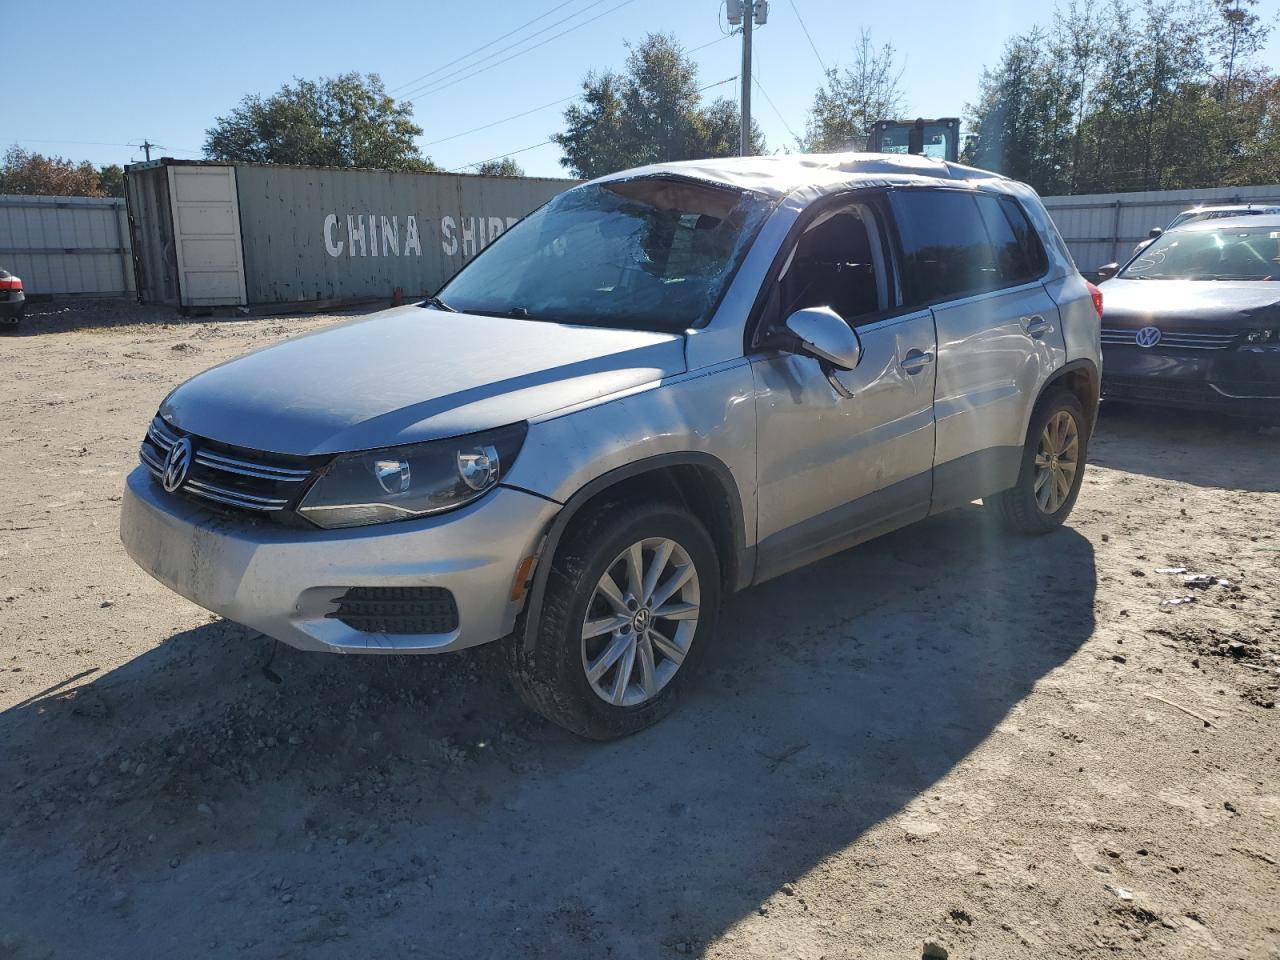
x=944 y=740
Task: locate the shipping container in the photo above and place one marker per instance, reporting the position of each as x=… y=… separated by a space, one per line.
x=211 y=234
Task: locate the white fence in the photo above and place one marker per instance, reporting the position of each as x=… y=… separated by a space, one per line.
x=1103 y=227
x=67 y=246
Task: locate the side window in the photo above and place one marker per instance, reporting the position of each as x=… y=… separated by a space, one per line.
x=1035 y=261
x=838 y=262
x=947 y=254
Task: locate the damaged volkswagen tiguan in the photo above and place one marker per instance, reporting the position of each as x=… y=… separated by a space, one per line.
x=663 y=386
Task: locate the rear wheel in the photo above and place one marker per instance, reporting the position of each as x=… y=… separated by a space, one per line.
x=1053 y=461
x=631 y=604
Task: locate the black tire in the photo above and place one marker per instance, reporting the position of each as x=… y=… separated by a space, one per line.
x=1017 y=507
x=551 y=677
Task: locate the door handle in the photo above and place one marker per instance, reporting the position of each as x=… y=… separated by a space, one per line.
x=916 y=360
x=1036 y=326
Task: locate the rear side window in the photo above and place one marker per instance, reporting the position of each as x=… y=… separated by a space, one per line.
x=1035 y=259
x=946 y=251
x=957 y=244
x=1018 y=254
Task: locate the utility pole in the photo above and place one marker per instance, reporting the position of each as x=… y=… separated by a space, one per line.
x=747 y=13
x=744 y=143
x=146 y=146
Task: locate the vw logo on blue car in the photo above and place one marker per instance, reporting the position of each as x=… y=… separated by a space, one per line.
x=176 y=465
x=1148 y=336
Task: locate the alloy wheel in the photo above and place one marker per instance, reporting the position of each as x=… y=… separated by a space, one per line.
x=641 y=619
x=1057 y=461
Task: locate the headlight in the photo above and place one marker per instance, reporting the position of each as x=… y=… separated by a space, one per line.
x=1263 y=336
x=400 y=483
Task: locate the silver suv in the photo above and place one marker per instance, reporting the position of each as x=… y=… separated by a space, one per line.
x=663 y=386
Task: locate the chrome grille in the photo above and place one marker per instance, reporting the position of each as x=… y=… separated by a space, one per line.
x=254 y=485
x=1179 y=339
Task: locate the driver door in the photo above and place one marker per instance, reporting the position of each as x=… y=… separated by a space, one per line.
x=842 y=456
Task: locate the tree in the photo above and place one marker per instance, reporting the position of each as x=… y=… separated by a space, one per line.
x=35 y=174
x=595 y=141
x=720 y=130
x=506 y=167
x=343 y=121
x=652 y=113
x=111 y=180
x=1145 y=95
x=846 y=105
x=1237 y=35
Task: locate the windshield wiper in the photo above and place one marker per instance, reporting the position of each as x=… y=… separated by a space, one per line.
x=515 y=313
x=438 y=304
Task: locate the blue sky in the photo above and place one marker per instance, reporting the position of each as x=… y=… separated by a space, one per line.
x=108 y=75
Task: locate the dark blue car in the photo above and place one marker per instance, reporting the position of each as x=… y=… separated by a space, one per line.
x=1194 y=320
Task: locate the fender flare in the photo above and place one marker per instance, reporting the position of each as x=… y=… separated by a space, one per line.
x=741 y=563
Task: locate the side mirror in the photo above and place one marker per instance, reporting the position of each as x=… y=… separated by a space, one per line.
x=1154 y=232
x=1107 y=271
x=825 y=335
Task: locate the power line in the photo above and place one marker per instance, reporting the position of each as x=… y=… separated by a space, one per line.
x=718 y=83
x=485 y=46
x=509 y=153
x=709 y=43
x=512 y=153
x=99 y=143
x=776 y=111
x=545 y=106
x=812 y=45
x=514 y=116
x=435 y=87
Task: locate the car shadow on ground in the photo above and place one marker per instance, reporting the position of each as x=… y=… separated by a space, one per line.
x=1154 y=441
x=374 y=805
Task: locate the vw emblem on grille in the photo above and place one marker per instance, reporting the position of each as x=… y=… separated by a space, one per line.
x=177 y=463
x=1147 y=336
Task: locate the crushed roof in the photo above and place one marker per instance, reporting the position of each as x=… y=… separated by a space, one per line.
x=779 y=175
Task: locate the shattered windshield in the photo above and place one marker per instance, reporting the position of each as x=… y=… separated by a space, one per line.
x=1227 y=254
x=649 y=253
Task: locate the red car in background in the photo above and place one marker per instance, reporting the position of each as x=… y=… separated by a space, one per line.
x=12 y=300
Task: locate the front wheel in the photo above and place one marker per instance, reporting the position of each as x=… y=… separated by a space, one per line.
x=1053 y=461
x=631 y=604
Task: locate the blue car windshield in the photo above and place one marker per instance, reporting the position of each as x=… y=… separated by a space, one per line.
x=648 y=253
x=1230 y=253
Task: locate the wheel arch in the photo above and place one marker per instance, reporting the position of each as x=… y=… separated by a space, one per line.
x=699 y=481
x=1081 y=377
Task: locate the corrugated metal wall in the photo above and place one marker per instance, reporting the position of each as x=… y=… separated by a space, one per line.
x=1103 y=227
x=315 y=233
x=67 y=246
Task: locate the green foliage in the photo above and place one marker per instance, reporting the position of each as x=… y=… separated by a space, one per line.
x=506 y=167
x=1151 y=95
x=847 y=104
x=111 y=180
x=343 y=121
x=34 y=174
x=651 y=113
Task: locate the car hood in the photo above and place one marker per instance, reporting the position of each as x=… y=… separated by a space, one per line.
x=1231 y=304
x=412 y=374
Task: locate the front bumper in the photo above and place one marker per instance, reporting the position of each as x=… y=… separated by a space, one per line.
x=1243 y=380
x=282 y=580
